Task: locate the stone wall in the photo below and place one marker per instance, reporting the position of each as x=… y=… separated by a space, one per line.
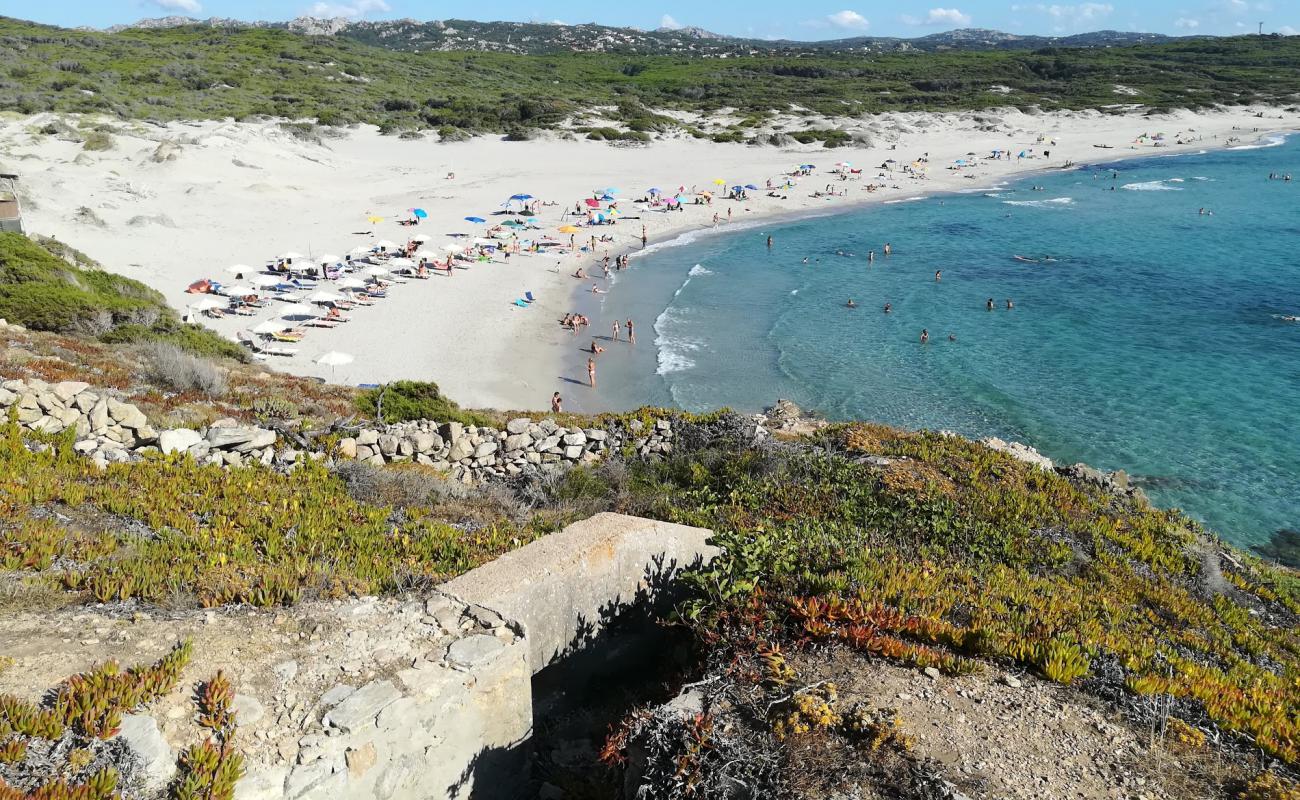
x=109 y=430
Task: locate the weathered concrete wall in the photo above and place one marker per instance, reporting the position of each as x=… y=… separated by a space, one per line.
x=565 y=588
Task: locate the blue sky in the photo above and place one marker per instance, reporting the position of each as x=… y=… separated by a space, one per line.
x=812 y=19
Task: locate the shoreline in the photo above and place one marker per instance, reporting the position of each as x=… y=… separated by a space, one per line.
x=582 y=301
x=240 y=193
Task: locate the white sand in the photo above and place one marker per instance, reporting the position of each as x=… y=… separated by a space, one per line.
x=463 y=332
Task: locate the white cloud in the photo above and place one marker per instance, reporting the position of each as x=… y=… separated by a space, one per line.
x=939 y=16
x=1073 y=16
x=1187 y=24
x=848 y=19
x=354 y=9
x=668 y=22
x=188 y=6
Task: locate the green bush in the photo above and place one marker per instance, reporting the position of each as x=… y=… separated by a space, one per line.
x=98 y=140
x=41 y=290
x=404 y=401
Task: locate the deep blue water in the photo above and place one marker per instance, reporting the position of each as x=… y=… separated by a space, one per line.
x=1153 y=341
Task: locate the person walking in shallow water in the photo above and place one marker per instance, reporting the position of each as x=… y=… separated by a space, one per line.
x=591 y=372
x=925 y=336
x=631 y=333
x=616 y=330
x=557 y=404
x=990 y=304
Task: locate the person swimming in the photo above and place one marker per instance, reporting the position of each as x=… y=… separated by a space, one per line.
x=889 y=307
x=925 y=336
x=989 y=304
x=850 y=304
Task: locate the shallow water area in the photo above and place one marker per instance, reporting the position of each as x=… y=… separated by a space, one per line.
x=1145 y=335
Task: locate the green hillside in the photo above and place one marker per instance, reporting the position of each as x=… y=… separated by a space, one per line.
x=200 y=72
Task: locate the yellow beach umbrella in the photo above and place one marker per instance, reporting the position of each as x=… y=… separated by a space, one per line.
x=374 y=220
x=719 y=182
x=568 y=229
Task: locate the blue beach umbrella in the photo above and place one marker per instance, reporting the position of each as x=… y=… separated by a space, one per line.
x=751 y=187
x=420 y=213
x=654 y=191
x=607 y=197
x=475 y=219
x=521 y=197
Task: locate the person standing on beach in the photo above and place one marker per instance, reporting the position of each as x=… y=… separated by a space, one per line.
x=557 y=404
x=616 y=329
x=631 y=333
x=591 y=372
x=643 y=236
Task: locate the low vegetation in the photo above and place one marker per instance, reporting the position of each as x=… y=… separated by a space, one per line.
x=245 y=73
x=42 y=290
x=403 y=401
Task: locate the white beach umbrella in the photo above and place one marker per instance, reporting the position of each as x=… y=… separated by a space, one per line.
x=334 y=359
x=376 y=271
x=422 y=238
x=302 y=266
x=352 y=283
x=427 y=255
x=453 y=248
x=291 y=254
x=240 y=290
x=298 y=310
x=240 y=269
x=328 y=258
x=270 y=326
x=324 y=297
x=263 y=281
x=384 y=244
x=208 y=303
x=479 y=240
x=358 y=251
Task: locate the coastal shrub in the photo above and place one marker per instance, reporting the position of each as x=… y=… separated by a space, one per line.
x=171 y=366
x=98 y=140
x=404 y=401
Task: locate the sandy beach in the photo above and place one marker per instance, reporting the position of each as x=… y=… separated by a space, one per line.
x=243 y=193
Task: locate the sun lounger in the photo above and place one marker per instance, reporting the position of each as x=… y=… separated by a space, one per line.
x=521 y=304
x=284 y=336
x=323 y=322
x=261 y=351
x=529 y=297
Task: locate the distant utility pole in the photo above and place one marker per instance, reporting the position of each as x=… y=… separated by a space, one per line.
x=1261 y=29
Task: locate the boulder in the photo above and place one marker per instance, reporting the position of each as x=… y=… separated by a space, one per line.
x=139 y=732
x=241 y=439
x=66 y=390
x=461 y=449
x=517 y=441
x=518 y=426
x=452 y=431
x=578 y=438
x=126 y=415
x=485 y=449
x=368 y=437
x=388 y=444
x=348 y=448
x=362 y=706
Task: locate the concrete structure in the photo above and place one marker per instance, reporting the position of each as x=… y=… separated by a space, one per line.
x=564 y=589
x=11 y=213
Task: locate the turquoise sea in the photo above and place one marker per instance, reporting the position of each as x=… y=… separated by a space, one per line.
x=1152 y=339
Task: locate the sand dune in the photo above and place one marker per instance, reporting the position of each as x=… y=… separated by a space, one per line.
x=226 y=193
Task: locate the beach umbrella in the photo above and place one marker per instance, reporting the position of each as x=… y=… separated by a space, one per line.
x=324 y=297
x=422 y=238
x=476 y=220
x=607 y=197
x=375 y=271
x=263 y=281
x=513 y=223
x=374 y=220
x=239 y=269
x=420 y=213
x=334 y=359
x=290 y=254
x=719 y=182
x=359 y=251
x=384 y=244
x=426 y=254
x=453 y=248
x=240 y=290
x=609 y=190
x=401 y=262
x=298 y=310
x=329 y=258
x=681 y=198
x=208 y=303
x=521 y=197
x=654 y=191
x=568 y=229
x=352 y=283
x=592 y=202
x=751 y=187
x=302 y=266
x=271 y=326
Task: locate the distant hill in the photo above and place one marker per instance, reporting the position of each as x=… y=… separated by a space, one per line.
x=536 y=38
